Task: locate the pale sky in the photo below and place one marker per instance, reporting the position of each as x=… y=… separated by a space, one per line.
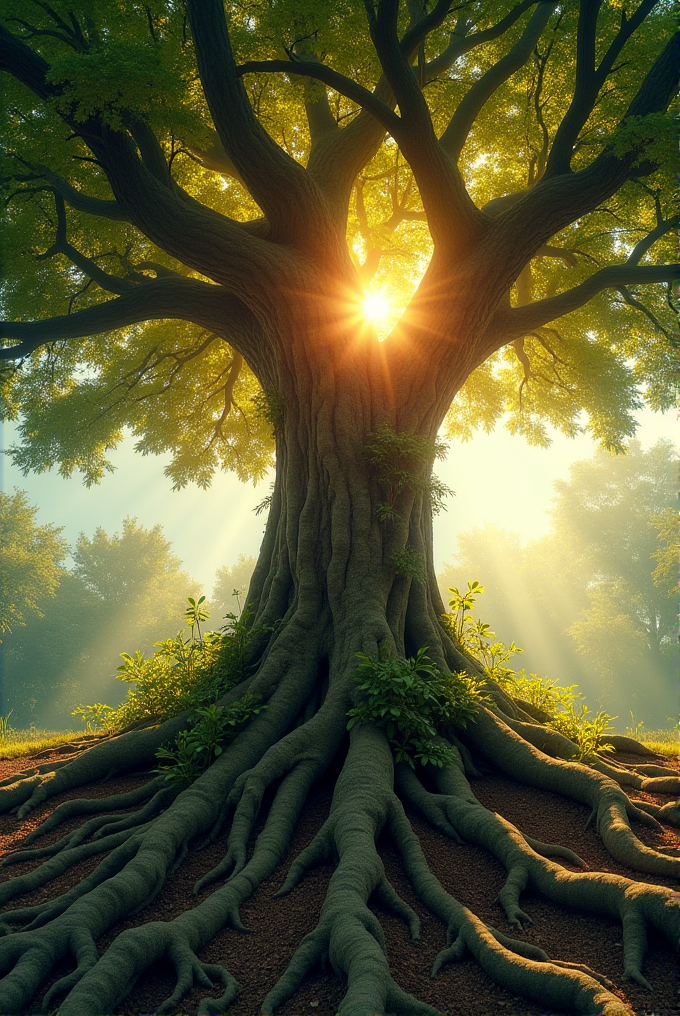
x=497 y=479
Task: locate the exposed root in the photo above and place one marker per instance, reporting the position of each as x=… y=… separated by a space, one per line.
x=657 y=784
x=635 y=904
x=348 y=932
x=669 y=813
x=612 y=809
x=561 y=987
x=134 y=751
x=91 y=806
x=193 y=812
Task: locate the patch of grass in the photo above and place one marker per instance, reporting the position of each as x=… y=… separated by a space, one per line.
x=16 y=743
x=664 y=742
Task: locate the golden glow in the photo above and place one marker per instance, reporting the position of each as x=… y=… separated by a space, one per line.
x=376 y=308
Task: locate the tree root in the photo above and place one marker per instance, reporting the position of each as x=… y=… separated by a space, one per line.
x=131 y=752
x=635 y=904
x=141 y=877
x=136 y=948
x=610 y=807
x=90 y=806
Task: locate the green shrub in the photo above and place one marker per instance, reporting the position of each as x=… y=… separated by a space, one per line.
x=569 y=716
x=197 y=748
x=411 y=699
x=402 y=461
x=182 y=673
x=476 y=637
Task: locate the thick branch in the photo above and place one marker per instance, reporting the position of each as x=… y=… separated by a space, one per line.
x=186 y=299
x=461 y=43
x=589 y=79
x=26 y=65
x=82 y=202
x=279 y=185
x=556 y=201
x=456 y=133
x=518 y=321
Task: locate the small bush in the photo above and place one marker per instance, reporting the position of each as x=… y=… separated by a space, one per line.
x=411 y=699
x=182 y=673
x=196 y=749
x=476 y=637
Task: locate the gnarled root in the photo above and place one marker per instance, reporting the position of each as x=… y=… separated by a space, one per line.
x=159 y=845
x=131 y=752
x=635 y=904
x=348 y=933
x=610 y=806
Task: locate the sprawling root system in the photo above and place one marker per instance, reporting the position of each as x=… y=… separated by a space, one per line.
x=138 y=838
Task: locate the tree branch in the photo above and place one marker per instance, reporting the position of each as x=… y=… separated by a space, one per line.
x=525 y=221
x=455 y=135
x=589 y=79
x=280 y=186
x=518 y=321
x=461 y=43
x=110 y=283
x=186 y=299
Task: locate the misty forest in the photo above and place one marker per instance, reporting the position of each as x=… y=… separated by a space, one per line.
x=337 y=238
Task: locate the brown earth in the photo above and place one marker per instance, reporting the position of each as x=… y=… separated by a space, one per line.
x=468 y=873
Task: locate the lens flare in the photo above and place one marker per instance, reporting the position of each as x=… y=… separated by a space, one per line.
x=376 y=307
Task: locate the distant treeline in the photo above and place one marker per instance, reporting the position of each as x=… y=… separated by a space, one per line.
x=593 y=602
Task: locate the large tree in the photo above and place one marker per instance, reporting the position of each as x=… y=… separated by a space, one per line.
x=209 y=191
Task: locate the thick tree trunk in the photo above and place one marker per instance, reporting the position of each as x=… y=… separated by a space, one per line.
x=331 y=582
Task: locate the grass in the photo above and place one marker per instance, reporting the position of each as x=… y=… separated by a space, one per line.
x=664 y=742
x=15 y=743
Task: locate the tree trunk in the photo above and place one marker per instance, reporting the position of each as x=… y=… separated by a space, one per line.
x=337 y=576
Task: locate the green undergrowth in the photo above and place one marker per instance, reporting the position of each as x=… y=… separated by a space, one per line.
x=18 y=743
x=182 y=673
x=413 y=701
x=188 y=675
x=565 y=709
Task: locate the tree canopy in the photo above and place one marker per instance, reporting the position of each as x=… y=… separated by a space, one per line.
x=554 y=114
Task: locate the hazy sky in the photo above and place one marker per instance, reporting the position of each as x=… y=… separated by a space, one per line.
x=497 y=478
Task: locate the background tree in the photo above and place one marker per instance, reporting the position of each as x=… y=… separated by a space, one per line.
x=31 y=560
x=207 y=218
x=227 y=579
x=30 y=569
x=122 y=593
x=592 y=602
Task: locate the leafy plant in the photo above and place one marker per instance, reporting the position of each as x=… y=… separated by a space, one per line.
x=476 y=637
x=409 y=563
x=401 y=461
x=95 y=717
x=584 y=729
x=543 y=692
x=411 y=699
x=195 y=749
x=182 y=673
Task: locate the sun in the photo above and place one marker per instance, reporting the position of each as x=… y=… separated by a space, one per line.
x=376 y=308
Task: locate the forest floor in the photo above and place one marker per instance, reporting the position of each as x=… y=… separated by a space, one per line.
x=468 y=873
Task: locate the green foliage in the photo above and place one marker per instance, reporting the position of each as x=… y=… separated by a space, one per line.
x=31 y=561
x=5 y=729
x=182 y=673
x=542 y=692
x=475 y=636
x=411 y=699
x=585 y=729
x=403 y=462
x=569 y=713
x=197 y=748
x=409 y=563
x=97 y=716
